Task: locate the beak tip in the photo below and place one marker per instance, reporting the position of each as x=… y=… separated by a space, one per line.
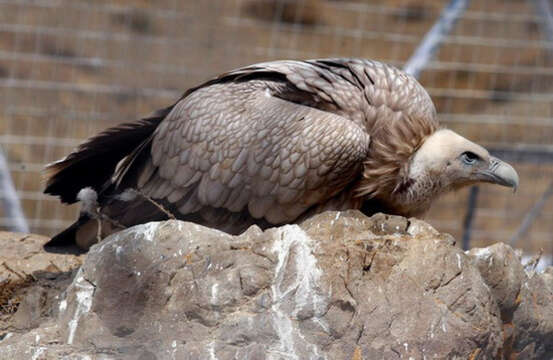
x=503 y=174
x=513 y=182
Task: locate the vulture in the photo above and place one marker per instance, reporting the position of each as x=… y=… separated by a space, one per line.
x=270 y=144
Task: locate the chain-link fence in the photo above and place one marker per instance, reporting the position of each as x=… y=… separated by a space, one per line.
x=70 y=68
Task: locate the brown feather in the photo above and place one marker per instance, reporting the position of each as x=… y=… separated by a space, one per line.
x=391 y=149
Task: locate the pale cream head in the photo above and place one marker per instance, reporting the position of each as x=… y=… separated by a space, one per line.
x=447 y=161
x=453 y=161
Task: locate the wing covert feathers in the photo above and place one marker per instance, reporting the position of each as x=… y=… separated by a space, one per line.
x=242 y=149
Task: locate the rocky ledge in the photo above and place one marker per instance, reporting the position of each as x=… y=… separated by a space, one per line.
x=338 y=286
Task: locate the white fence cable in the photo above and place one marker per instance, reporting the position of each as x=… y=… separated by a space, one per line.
x=432 y=40
x=9 y=199
x=543 y=9
x=532 y=215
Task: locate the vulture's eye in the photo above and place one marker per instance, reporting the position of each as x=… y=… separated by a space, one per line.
x=469 y=158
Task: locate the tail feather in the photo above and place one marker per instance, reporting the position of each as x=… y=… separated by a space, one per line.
x=81 y=235
x=66 y=237
x=93 y=165
x=94 y=162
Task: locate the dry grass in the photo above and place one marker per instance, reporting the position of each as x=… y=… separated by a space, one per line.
x=11 y=294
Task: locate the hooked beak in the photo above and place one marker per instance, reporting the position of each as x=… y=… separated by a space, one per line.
x=500 y=173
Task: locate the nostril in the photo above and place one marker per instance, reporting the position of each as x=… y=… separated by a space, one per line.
x=494 y=164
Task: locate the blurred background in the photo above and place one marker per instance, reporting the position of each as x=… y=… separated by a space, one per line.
x=70 y=68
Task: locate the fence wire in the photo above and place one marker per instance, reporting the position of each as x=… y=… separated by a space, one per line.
x=70 y=68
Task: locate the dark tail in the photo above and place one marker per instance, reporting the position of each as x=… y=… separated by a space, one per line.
x=92 y=165
x=67 y=237
x=94 y=162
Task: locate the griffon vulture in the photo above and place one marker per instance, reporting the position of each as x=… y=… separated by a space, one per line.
x=270 y=144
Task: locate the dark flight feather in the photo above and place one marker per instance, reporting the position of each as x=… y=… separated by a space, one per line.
x=80 y=168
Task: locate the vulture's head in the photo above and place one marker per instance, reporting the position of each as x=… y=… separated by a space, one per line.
x=444 y=161
x=449 y=161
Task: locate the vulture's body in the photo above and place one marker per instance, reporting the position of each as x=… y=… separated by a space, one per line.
x=269 y=144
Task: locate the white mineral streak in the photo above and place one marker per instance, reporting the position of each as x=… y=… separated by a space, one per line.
x=211 y=349
x=417 y=227
x=293 y=246
x=38 y=352
x=145 y=231
x=485 y=254
x=118 y=252
x=459 y=261
x=214 y=294
x=482 y=252
x=83 y=302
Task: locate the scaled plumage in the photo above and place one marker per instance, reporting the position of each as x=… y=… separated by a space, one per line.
x=273 y=143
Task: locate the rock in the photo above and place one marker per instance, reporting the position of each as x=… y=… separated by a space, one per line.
x=30 y=280
x=532 y=320
x=502 y=270
x=338 y=286
x=525 y=300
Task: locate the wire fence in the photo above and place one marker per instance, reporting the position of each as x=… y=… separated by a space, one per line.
x=70 y=68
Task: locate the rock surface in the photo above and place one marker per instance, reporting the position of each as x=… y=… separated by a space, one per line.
x=30 y=279
x=338 y=286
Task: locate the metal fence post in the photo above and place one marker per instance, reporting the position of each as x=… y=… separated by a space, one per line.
x=433 y=38
x=10 y=201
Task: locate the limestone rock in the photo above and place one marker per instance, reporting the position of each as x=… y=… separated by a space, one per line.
x=338 y=286
x=30 y=279
x=525 y=300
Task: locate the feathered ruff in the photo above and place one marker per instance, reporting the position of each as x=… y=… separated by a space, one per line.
x=392 y=146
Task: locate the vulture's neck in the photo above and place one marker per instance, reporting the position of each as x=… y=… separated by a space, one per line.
x=416 y=197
